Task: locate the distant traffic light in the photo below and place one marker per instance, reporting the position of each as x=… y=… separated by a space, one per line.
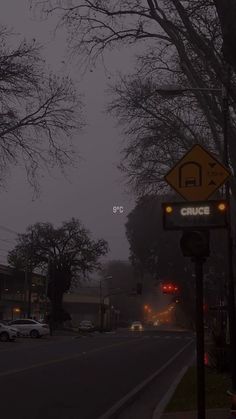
x=139 y=288
x=170 y=288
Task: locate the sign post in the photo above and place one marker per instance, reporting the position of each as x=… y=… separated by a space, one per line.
x=195 y=244
x=200 y=337
x=196 y=177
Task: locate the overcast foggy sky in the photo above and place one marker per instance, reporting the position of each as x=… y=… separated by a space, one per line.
x=95 y=186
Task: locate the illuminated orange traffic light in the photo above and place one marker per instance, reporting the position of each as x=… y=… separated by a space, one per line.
x=168 y=209
x=222 y=206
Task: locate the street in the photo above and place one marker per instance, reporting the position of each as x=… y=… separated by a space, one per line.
x=82 y=378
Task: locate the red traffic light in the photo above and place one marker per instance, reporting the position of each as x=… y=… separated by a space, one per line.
x=170 y=288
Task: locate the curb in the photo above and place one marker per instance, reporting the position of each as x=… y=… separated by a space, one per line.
x=157 y=414
x=119 y=406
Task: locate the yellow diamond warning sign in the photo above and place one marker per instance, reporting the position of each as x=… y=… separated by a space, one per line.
x=197 y=175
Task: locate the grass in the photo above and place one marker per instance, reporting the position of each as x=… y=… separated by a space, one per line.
x=185 y=397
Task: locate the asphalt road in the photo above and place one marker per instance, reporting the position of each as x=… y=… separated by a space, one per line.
x=68 y=378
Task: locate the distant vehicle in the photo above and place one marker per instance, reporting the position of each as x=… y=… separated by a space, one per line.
x=86 y=326
x=156 y=323
x=136 y=326
x=7 y=332
x=30 y=327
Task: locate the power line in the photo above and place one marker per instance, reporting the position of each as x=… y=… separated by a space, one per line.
x=6 y=240
x=8 y=230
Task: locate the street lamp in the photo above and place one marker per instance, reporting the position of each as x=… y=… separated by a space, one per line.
x=172 y=90
x=103 y=305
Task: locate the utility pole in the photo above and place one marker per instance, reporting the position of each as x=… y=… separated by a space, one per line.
x=29 y=293
x=101 y=307
x=46 y=288
x=101 y=303
x=30 y=256
x=230 y=282
x=53 y=311
x=26 y=285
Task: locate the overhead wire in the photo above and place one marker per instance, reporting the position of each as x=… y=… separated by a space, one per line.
x=9 y=230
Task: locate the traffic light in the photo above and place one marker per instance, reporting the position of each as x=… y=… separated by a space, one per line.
x=195 y=243
x=170 y=288
x=139 y=288
x=164 y=289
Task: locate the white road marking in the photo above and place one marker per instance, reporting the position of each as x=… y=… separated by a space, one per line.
x=158 y=412
x=122 y=402
x=58 y=360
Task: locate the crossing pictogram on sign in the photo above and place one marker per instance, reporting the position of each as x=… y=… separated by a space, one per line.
x=197 y=175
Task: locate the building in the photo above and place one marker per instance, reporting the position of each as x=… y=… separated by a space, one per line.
x=15 y=300
x=15 y=297
x=87 y=306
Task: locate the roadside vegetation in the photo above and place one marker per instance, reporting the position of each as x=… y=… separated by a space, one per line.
x=185 y=396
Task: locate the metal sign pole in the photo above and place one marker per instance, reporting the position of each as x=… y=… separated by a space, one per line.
x=198 y=261
x=231 y=280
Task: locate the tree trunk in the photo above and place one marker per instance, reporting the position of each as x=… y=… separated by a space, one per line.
x=227 y=14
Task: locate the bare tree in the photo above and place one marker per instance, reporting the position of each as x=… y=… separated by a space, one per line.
x=39 y=111
x=182 y=44
x=158 y=131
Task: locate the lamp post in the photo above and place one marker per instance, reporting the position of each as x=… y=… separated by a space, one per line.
x=103 y=305
x=175 y=91
x=101 y=302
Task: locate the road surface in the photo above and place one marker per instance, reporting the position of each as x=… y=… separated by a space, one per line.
x=69 y=378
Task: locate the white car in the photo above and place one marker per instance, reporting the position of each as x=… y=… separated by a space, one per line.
x=86 y=326
x=137 y=326
x=30 y=327
x=7 y=333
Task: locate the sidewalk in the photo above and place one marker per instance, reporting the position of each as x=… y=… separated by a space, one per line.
x=210 y=414
x=213 y=413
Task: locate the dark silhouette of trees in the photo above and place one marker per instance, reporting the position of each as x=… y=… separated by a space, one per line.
x=68 y=254
x=153 y=250
x=39 y=111
x=157 y=252
x=119 y=281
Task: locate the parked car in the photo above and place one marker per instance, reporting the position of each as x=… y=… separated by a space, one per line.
x=136 y=326
x=7 y=332
x=86 y=326
x=30 y=327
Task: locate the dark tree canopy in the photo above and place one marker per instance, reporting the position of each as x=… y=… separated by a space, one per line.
x=68 y=252
x=152 y=250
